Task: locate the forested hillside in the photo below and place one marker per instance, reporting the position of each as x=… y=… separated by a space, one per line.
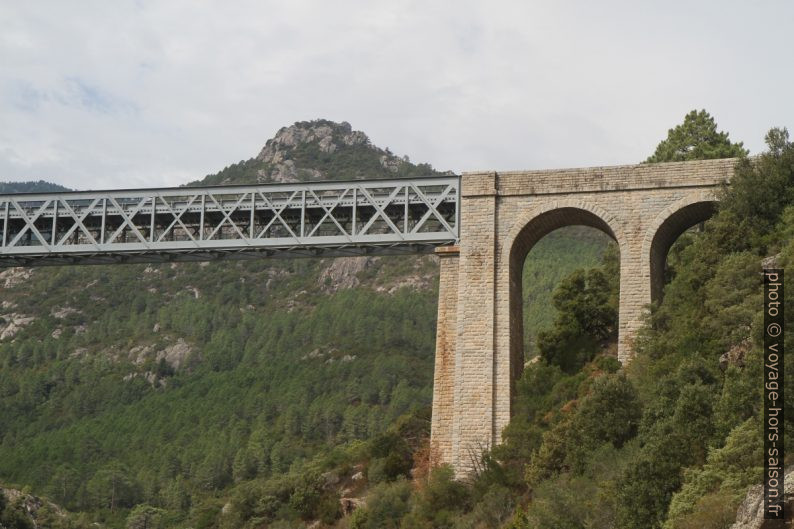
x=39 y=186
x=165 y=392
x=290 y=394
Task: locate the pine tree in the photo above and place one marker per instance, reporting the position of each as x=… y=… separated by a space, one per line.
x=696 y=138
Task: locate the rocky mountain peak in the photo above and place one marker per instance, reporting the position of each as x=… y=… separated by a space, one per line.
x=319 y=150
x=327 y=135
x=300 y=152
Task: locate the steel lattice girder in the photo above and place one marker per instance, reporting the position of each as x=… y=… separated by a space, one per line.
x=200 y=223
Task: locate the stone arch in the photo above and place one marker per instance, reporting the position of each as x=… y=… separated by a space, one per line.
x=665 y=230
x=525 y=233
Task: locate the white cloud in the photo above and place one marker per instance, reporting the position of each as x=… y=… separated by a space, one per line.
x=112 y=94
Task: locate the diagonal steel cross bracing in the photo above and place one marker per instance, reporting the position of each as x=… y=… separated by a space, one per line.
x=203 y=223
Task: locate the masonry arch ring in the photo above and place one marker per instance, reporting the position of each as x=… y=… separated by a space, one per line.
x=525 y=232
x=666 y=228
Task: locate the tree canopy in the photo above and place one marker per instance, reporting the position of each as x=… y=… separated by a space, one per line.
x=697 y=138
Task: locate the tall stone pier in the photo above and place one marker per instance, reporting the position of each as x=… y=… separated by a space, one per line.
x=479 y=344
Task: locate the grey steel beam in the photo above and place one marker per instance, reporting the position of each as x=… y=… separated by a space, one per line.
x=237 y=222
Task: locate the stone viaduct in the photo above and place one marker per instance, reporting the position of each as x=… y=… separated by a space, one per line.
x=479 y=343
x=494 y=218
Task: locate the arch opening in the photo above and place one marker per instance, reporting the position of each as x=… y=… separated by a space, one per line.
x=667 y=234
x=568 y=229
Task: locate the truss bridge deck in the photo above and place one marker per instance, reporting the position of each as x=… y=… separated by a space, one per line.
x=359 y=217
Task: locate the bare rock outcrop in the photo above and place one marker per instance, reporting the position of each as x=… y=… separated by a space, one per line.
x=11 y=277
x=346 y=272
x=277 y=148
x=418 y=278
x=735 y=355
x=280 y=153
x=32 y=505
x=771 y=262
x=140 y=353
x=63 y=312
x=348 y=505
x=11 y=324
x=750 y=514
x=176 y=355
x=342 y=273
x=390 y=162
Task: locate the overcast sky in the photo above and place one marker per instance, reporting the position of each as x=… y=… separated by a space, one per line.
x=104 y=94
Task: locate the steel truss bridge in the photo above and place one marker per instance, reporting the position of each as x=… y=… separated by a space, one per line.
x=359 y=217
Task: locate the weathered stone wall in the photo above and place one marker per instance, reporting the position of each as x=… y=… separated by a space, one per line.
x=643 y=207
x=474 y=358
x=444 y=375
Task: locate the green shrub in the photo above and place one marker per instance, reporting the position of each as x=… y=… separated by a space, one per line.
x=492 y=509
x=727 y=474
x=716 y=510
x=609 y=364
x=610 y=412
x=387 y=504
x=307 y=495
x=586 y=318
x=441 y=499
x=564 y=502
x=552 y=455
x=391 y=458
x=145 y=517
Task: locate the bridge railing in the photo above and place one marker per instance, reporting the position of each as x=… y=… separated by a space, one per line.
x=199 y=223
